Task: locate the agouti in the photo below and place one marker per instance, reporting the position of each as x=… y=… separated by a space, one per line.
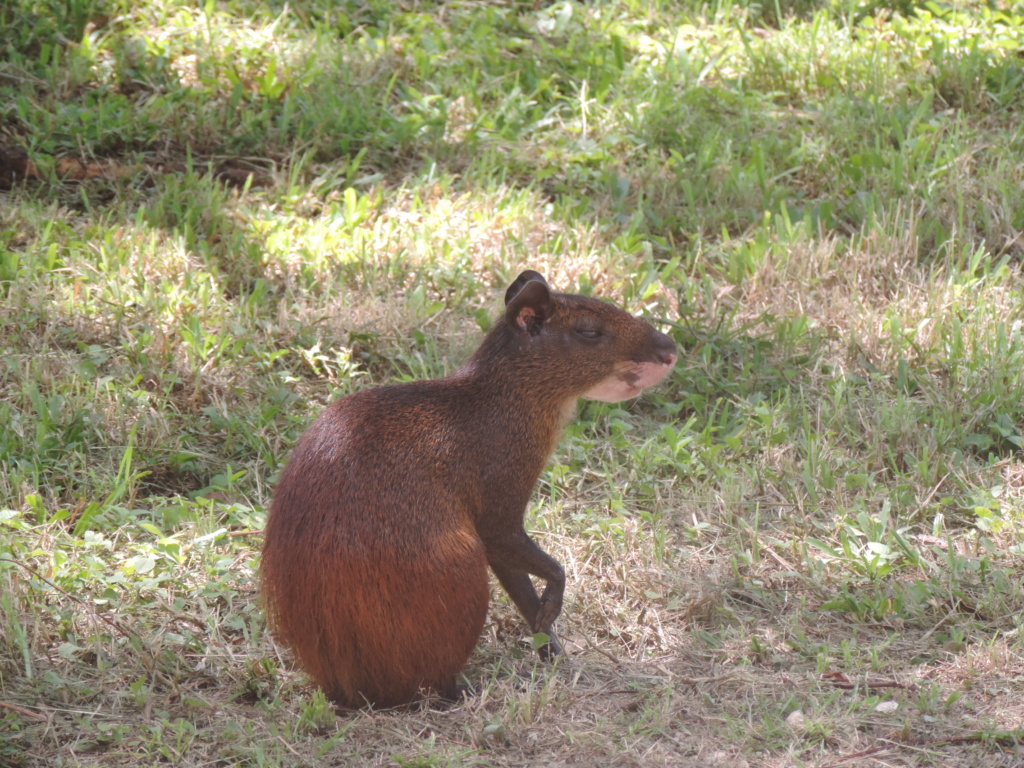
x=397 y=499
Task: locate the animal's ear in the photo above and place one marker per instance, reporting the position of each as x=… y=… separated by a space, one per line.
x=526 y=277
x=529 y=307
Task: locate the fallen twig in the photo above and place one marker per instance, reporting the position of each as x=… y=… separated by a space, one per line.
x=22 y=711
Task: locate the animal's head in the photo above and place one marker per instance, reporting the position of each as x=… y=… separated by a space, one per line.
x=600 y=351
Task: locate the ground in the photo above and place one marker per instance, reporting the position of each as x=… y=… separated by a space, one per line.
x=803 y=549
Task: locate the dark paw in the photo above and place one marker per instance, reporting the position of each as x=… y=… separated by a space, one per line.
x=549 y=650
x=451 y=696
x=462 y=692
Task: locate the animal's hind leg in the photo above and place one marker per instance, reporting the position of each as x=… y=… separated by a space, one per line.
x=418 y=624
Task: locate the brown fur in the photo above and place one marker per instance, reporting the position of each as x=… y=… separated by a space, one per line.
x=396 y=500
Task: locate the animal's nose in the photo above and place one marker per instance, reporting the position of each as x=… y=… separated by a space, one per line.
x=665 y=350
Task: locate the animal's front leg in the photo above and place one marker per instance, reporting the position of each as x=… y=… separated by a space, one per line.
x=513 y=559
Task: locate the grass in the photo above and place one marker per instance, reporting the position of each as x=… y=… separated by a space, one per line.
x=804 y=549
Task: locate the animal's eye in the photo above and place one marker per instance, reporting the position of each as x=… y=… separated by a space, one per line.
x=588 y=333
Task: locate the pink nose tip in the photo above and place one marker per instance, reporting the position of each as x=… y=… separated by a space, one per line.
x=668 y=358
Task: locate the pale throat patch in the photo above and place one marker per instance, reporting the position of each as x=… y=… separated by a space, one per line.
x=568 y=411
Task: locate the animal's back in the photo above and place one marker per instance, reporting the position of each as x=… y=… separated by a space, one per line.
x=372 y=570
